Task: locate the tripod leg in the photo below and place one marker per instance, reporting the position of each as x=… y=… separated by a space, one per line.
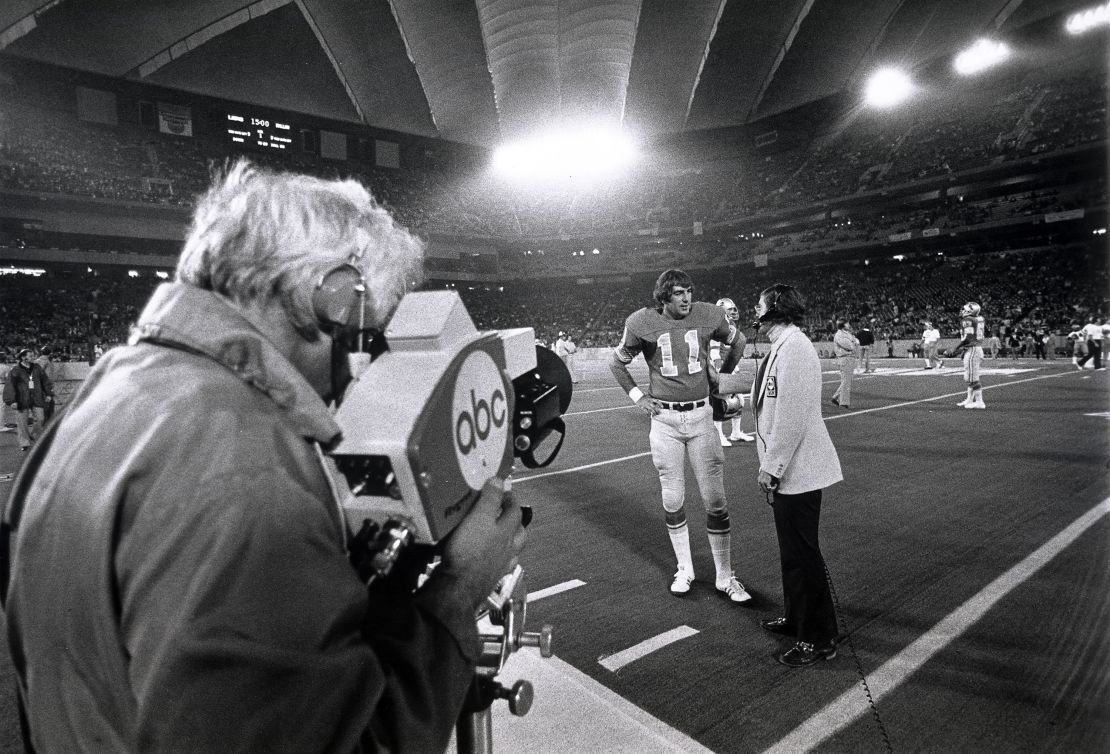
x=474 y=732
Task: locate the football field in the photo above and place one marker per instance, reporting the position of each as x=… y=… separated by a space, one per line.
x=968 y=553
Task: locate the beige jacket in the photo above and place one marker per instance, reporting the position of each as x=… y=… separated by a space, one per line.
x=791 y=438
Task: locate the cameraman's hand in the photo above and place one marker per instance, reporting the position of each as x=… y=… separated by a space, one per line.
x=485 y=544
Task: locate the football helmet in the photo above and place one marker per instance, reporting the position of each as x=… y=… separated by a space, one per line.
x=971 y=309
x=726 y=407
x=731 y=312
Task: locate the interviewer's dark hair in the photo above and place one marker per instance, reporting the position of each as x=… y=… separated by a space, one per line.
x=665 y=284
x=784 y=304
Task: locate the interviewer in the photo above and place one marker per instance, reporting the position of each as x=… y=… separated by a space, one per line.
x=797 y=461
x=179 y=579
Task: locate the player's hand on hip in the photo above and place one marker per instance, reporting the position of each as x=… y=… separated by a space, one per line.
x=650 y=405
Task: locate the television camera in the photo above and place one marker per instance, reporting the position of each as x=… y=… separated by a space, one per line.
x=441 y=409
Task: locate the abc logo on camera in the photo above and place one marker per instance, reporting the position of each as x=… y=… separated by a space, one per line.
x=480 y=418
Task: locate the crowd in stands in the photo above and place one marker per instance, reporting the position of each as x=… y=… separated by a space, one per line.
x=1051 y=290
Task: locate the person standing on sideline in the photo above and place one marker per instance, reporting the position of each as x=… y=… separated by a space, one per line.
x=1078 y=346
x=972 y=327
x=565 y=350
x=27 y=391
x=46 y=363
x=930 y=342
x=866 y=337
x=716 y=349
x=797 y=461
x=1092 y=334
x=180 y=567
x=674 y=340
x=845 y=347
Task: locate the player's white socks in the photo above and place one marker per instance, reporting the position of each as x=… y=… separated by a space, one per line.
x=680 y=541
x=721 y=545
x=720 y=429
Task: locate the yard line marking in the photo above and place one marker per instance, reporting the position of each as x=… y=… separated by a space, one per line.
x=618 y=660
x=852 y=704
x=556 y=589
x=831 y=417
x=942 y=397
x=599 y=410
x=522 y=480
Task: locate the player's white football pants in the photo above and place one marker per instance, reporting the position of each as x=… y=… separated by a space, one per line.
x=678 y=435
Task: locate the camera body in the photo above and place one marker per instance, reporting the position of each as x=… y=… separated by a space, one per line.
x=441 y=411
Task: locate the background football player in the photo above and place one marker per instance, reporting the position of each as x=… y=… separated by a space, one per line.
x=973 y=329
x=674 y=339
x=717 y=352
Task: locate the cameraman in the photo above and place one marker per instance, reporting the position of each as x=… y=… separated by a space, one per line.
x=178 y=573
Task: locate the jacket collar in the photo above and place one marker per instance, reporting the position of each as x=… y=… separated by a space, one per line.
x=778 y=335
x=183 y=316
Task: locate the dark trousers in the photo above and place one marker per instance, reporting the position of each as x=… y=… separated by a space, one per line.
x=808 y=604
x=1094 y=351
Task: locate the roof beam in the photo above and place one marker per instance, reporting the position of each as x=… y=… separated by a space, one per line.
x=206 y=33
x=24 y=25
x=783 y=49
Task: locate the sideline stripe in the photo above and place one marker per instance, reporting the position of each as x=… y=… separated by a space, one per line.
x=618 y=660
x=851 y=705
x=574 y=712
x=557 y=589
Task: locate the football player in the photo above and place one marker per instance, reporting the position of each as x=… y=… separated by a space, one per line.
x=674 y=340
x=716 y=349
x=972 y=328
x=930 y=342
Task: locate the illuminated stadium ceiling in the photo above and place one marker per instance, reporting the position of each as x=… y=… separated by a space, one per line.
x=483 y=71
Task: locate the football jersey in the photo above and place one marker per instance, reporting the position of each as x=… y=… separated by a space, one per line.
x=975 y=327
x=676 y=350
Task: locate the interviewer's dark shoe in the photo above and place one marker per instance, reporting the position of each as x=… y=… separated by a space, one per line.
x=803 y=653
x=835 y=401
x=778 y=626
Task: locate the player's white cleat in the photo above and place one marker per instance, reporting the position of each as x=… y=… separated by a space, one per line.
x=964 y=402
x=742 y=437
x=682 y=581
x=725 y=443
x=976 y=404
x=734 y=590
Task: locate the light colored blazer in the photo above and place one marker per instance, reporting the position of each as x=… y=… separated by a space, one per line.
x=790 y=434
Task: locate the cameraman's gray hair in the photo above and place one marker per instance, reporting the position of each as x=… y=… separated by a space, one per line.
x=258 y=234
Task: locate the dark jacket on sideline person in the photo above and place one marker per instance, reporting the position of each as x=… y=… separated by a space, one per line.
x=27 y=387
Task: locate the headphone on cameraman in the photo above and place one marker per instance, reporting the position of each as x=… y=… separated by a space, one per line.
x=339 y=300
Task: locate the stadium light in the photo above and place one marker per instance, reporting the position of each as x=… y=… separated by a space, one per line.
x=980 y=56
x=572 y=155
x=1085 y=20
x=887 y=87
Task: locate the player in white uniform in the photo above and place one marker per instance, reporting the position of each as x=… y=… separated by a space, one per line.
x=973 y=329
x=930 y=341
x=717 y=351
x=674 y=340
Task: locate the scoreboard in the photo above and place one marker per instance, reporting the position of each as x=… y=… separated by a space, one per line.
x=259 y=132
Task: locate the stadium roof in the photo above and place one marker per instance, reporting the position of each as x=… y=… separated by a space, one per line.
x=480 y=71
